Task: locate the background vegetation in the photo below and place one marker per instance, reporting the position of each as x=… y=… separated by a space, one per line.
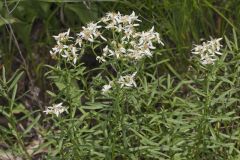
x=180 y=115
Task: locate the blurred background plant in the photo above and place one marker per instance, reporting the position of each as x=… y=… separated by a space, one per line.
x=178 y=89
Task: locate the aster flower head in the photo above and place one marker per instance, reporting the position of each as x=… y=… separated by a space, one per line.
x=107 y=51
x=119 y=50
x=208 y=51
x=70 y=52
x=90 y=32
x=135 y=54
x=142 y=44
x=74 y=56
x=100 y=59
x=127 y=81
x=208 y=60
x=128 y=32
x=106 y=88
x=79 y=41
x=56 y=109
x=57 y=49
x=111 y=16
x=127 y=19
x=63 y=37
x=149 y=37
x=119 y=22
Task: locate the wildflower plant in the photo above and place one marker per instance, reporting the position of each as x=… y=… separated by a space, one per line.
x=119 y=110
x=118 y=38
x=119 y=48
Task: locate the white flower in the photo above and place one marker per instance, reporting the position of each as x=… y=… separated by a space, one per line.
x=128 y=32
x=90 y=32
x=111 y=16
x=140 y=51
x=120 y=22
x=74 y=55
x=148 y=37
x=141 y=43
x=118 y=52
x=106 y=51
x=135 y=54
x=133 y=18
x=55 y=50
x=128 y=19
x=55 y=109
x=106 y=88
x=207 y=60
x=100 y=59
x=127 y=81
x=208 y=51
x=122 y=49
x=70 y=53
x=62 y=37
x=79 y=41
x=110 y=26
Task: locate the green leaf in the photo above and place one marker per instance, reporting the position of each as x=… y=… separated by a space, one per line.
x=51 y=93
x=60 y=85
x=94 y=106
x=14 y=82
x=9 y=20
x=32 y=125
x=13 y=96
x=19 y=109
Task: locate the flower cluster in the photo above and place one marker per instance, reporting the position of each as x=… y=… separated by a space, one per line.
x=119 y=22
x=64 y=49
x=208 y=51
x=131 y=44
x=136 y=46
x=125 y=41
x=126 y=81
x=56 y=109
x=67 y=47
x=89 y=33
x=122 y=41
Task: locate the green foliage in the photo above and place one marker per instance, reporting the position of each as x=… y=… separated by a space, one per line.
x=180 y=109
